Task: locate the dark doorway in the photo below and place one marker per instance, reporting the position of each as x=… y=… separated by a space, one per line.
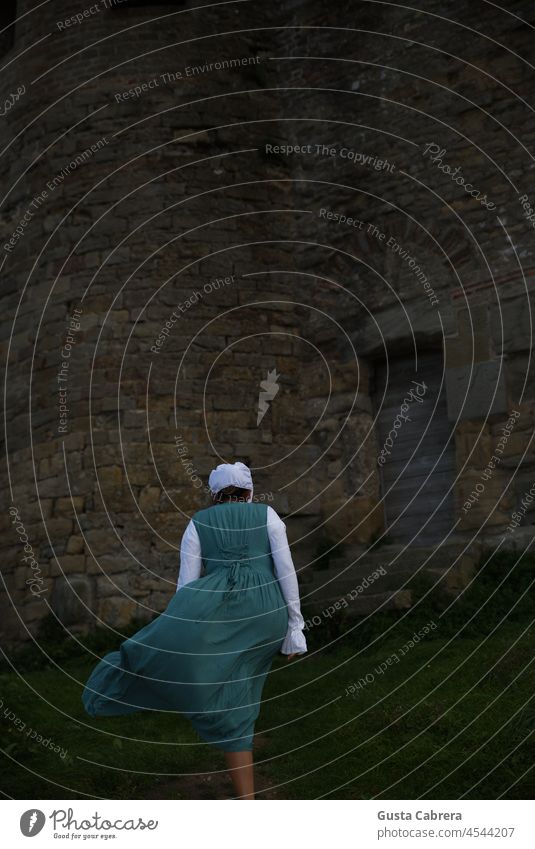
x=414 y=481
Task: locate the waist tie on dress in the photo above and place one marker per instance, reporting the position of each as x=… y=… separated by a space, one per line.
x=237 y=558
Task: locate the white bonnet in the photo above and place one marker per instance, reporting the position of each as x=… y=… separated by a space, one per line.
x=230 y=474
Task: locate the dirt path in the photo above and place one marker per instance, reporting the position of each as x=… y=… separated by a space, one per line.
x=217 y=786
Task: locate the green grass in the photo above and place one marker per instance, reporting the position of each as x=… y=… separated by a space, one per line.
x=410 y=728
x=450 y=719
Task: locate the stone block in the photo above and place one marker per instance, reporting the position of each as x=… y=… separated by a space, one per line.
x=24 y=576
x=116 y=611
x=518 y=445
x=34 y=611
x=350 y=376
x=476 y=391
x=65 y=506
x=344 y=401
x=140 y=475
x=463 y=350
x=113 y=585
x=520 y=375
x=108 y=564
x=149 y=499
x=67 y=563
x=473 y=440
x=140 y=582
x=461 y=574
x=72 y=600
x=74 y=441
x=52 y=487
x=511 y=326
x=46 y=449
x=110 y=477
x=358 y=521
x=166 y=452
x=490 y=505
x=59 y=528
x=102 y=542
x=75 y=545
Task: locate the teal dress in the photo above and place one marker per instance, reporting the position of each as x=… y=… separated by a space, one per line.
x=208 y=654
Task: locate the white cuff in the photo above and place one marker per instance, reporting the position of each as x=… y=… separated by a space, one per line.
x=294 y=642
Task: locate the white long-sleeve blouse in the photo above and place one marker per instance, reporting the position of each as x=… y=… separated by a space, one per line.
x=191 y=563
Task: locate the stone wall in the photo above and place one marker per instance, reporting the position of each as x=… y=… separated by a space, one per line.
x=386 y=85
x=131 y=206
